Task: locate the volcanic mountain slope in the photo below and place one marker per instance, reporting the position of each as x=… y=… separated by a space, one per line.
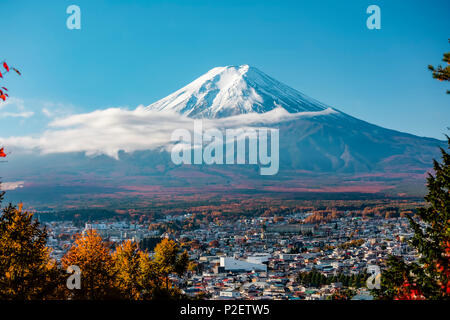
x=321 y=148
x=324 y=140
x=230 y=91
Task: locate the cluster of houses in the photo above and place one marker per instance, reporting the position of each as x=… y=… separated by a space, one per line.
x=261 y=258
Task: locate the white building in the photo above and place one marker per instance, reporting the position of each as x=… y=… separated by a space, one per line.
x=230 y=293
x=233 y=265
x=259 y=258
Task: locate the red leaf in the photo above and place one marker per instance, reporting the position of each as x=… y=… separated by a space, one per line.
x=18 y=72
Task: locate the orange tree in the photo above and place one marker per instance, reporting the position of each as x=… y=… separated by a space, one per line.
x=127 y=273
x=93 y=257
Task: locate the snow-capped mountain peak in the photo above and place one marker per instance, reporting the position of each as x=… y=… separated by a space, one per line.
x=234 y=90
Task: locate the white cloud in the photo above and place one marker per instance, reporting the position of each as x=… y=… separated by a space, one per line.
x=16 y=107
x=111 y=130
x=20 y=108
x=47 y=112
x=5 y=186
x=14 y=102
x=56 y=109
x=25 y=114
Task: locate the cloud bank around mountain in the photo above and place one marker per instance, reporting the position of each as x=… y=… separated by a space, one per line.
x=118 y=129
x=7 y=186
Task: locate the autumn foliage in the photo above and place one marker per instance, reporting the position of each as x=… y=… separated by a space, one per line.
x=26 y=269
x=28 y=272
x=92 y=256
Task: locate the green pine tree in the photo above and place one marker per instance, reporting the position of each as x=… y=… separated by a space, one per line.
x=428 y=278
x=442 y=73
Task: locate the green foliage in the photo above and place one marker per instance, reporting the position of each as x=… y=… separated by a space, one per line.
x=342 y=294
x=352 y=244
x=429 y=276
x=317 y=279
x=442 y=73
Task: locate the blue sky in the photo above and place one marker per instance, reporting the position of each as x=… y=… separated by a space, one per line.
x=135 y=52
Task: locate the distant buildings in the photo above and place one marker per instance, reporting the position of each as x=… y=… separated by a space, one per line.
x=260 y=258
x=292 y=228
x=234 y=265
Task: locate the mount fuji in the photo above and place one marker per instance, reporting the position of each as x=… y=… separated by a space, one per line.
x=326 y=140
x=321 y=148
x=234 y=90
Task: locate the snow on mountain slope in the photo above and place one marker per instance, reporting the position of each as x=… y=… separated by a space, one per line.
x=320 y=148
x=234 y=90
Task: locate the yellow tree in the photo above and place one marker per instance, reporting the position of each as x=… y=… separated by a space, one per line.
x=169 y=260
x=94 y=259
x=26 y=268
x=127 y=270
x=151 y=281
x=137 y=276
